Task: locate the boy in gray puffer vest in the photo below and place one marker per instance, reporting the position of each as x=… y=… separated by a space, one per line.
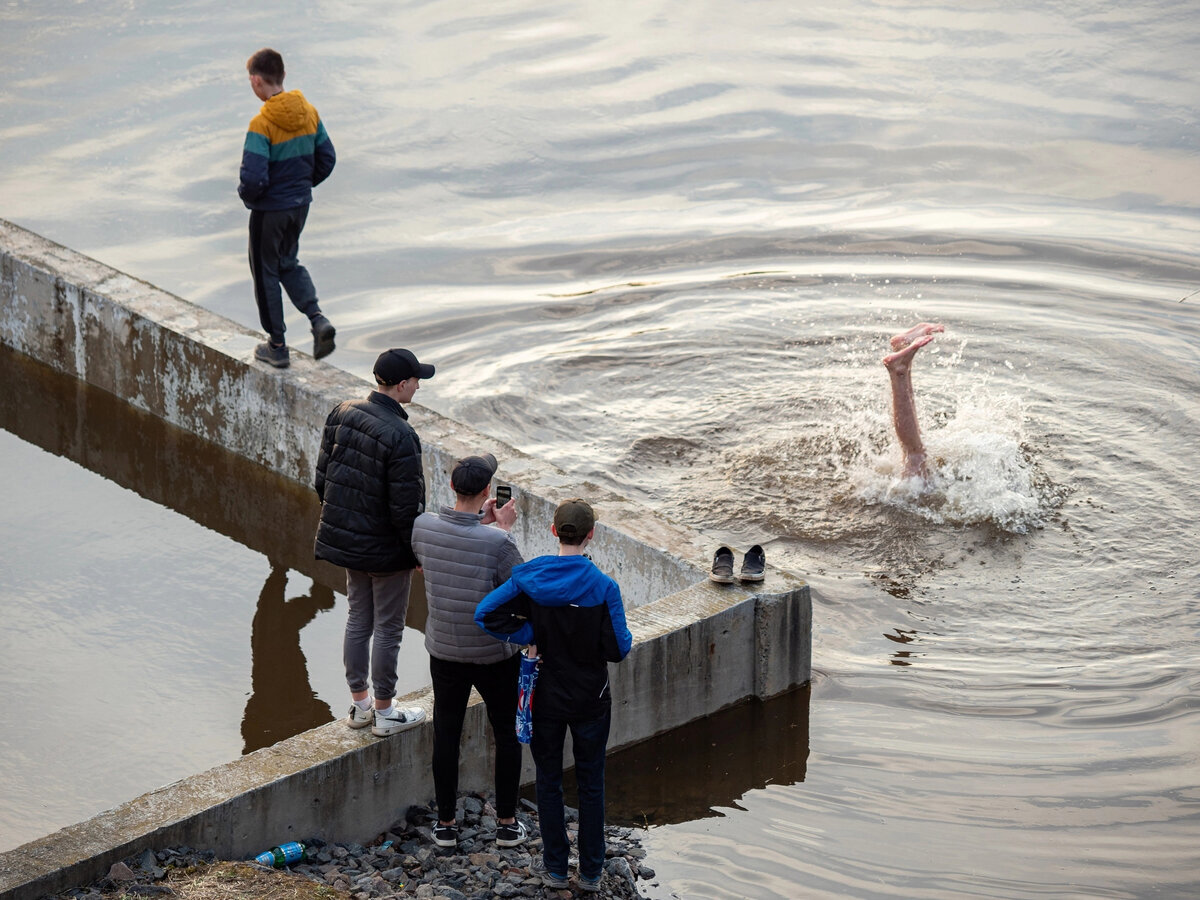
x=464 y=552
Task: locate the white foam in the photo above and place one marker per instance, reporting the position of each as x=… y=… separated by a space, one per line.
x=979 y=470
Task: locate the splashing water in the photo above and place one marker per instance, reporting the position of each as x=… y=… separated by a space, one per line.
x=979 y=469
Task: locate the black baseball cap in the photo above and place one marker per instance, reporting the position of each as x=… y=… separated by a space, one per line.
x=472 y=474
x=394 y=366
x=574 y=518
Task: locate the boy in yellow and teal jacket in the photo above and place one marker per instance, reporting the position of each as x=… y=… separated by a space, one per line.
x=287 y=152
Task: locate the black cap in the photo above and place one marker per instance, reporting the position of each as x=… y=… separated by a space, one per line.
x=472 y=474
x=574 y=518
x=394 y=366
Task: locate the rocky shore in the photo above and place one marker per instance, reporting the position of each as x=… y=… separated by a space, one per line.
x=403 y=862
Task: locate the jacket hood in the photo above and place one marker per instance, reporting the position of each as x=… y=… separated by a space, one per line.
x=558 y=580
x=288 y=111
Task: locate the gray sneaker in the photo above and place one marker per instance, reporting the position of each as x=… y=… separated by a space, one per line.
x=590 y=885
x=549 y=879
x=396 y=719
x=323 y=333
x=273 y=356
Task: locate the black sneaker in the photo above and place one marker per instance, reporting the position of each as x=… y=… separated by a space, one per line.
x=753 y=564
x=272 y=355
x=323 y=333
x=511 y=835
x=445 y=835
x=722 y=569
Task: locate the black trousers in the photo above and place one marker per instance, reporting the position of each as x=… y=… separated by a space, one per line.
x=274 y=248
x=497 y=685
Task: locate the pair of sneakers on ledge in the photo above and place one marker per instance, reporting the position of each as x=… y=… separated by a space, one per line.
x=754 y=564
x=277 y=355
x=383 y=722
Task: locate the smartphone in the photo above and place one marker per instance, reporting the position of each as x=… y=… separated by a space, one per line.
x=503 y=494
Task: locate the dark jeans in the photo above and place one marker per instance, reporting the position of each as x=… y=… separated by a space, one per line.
x=497 y=685
x=274 y=246
x=590 y=740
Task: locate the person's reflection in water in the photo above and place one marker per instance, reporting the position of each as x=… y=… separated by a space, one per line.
x=282 y=702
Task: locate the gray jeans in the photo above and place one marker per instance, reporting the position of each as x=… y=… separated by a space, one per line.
x=374 y=627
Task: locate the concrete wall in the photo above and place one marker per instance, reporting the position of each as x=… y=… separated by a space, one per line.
x=698 y=647
x=196 y=370
x=168 y=466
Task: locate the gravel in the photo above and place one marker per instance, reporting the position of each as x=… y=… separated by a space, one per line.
x=404 y=862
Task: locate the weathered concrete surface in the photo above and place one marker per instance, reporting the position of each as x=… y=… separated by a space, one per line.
x=340 y=784
x=163 y=463
x=196 y=370
x=698 y=647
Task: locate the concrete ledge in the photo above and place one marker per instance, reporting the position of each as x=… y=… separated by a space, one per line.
x=196 y=370
x=698 y=647
x=340 y=784
x=174 y=468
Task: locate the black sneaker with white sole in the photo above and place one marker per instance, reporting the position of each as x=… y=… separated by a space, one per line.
x=722 y=567
x=511 y=835
x=445 y=835
x=754 y=564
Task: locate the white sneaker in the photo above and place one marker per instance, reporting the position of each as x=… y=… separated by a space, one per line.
x=360 y=718
x=396 y=719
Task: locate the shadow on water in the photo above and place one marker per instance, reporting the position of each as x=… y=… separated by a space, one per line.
x=282 y=702
x=163 y=463
x=215 y=488
x=692 y=771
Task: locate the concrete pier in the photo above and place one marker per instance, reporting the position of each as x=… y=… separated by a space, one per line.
x=698 y=647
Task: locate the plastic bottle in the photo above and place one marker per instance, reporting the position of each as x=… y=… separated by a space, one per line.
x=283 y=855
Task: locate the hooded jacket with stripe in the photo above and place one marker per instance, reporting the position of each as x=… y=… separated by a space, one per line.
x=287 y=151
x=371 y=486
x=463 y=560
x=574 y=613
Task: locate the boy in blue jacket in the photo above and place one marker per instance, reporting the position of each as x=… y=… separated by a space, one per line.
x=573 y=613
x=287 y=152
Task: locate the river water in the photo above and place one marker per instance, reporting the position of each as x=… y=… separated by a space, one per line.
x=663 y=245
x=153 y=628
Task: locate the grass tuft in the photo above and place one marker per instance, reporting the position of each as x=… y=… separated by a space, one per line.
x=224 y=880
